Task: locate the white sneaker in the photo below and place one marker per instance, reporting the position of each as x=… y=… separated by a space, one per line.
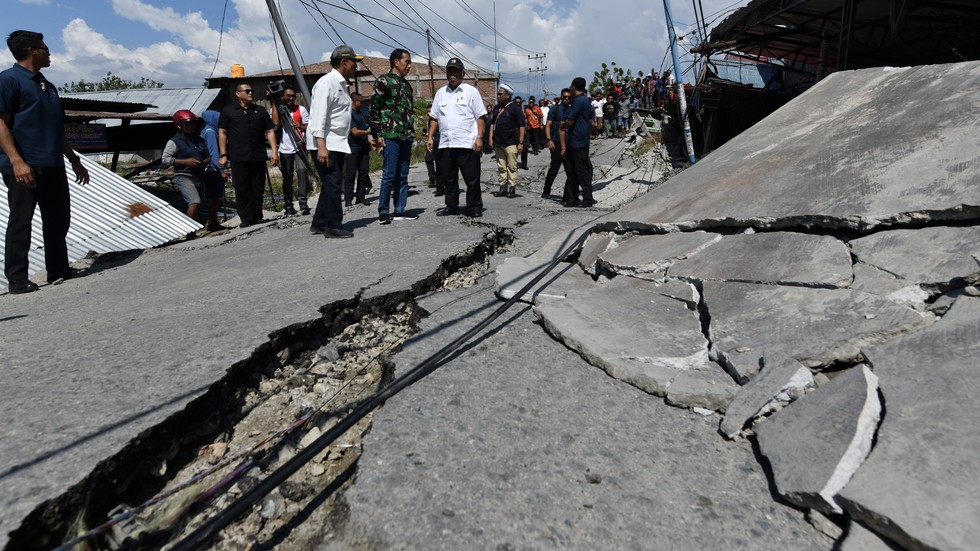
x=404 y=216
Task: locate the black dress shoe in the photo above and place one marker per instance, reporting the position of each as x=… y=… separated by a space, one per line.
x=447 y=212
x=290 y=211
x=546 y=195
x=512 y=193
x=72 y=273
x=439 y=193
x=304 y=211
x=338 y=233
x=473 y=213
x=21 y=287
x=317 y=230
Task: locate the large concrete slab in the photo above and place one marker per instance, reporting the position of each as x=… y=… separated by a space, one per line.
x=919 y=486
x=817 y=443
x=653 y=254
x=925 y=255
x=782 y=380
x=664 y=339
x=785 y=258
x=815 y=326
x=840 y=155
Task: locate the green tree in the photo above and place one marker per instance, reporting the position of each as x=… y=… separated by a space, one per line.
x=603 y=79
x=110 y=82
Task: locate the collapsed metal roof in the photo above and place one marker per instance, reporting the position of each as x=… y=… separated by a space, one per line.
x=853 y=34
x=109 y=214
x=165 y=101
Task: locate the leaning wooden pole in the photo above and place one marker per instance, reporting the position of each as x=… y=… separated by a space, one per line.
x=297 y=70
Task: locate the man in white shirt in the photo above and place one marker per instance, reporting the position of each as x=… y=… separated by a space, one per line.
x=326 y=138
x=456 y=113
x=598 y=102
x=299 y=118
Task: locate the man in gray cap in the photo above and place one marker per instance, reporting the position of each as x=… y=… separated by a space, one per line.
x=326 y=137
x=457 y=113
x=507 y=127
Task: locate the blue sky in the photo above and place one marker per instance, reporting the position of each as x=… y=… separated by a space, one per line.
x=176 y=41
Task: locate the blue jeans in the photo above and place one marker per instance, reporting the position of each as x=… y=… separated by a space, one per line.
x=394 y=175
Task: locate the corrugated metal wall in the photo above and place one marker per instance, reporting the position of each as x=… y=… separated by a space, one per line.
x=109 y=214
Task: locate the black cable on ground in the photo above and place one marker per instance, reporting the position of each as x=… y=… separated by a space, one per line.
x=200 y=537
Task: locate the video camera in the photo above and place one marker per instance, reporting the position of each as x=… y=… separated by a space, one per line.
x=275 y=88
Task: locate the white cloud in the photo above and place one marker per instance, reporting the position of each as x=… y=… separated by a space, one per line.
x=577 y=35
x=35 y=2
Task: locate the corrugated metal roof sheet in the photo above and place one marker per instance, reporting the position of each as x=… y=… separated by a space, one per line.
x=747 y=73
x=167 y=100
x=105 y=218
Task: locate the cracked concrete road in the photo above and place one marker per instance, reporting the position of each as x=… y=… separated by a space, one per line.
x=838 y=284
x=92 y=364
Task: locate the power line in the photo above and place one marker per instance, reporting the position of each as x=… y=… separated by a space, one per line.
x=327 y=21
x=221 y=34
x=375 y=26
x=327 y=18
x=471 y=37
x=289 y=37
x=484 y=21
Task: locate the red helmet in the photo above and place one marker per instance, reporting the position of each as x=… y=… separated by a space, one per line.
x=182 y=116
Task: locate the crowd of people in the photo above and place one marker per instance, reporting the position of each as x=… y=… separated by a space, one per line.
x=334 y=138
x=339 y=138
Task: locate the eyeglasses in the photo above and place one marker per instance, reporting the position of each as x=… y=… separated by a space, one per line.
x=249 y=91
x=566 y=97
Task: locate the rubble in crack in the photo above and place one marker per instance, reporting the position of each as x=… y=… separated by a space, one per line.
x=815 y=279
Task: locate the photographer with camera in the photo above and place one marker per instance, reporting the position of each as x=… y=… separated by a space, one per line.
x=292 y=146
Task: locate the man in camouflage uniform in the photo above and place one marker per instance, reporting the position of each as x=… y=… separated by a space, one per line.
x=393 y=129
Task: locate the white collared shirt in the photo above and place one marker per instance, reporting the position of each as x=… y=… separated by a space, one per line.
x=329 y=113
x=457 y=112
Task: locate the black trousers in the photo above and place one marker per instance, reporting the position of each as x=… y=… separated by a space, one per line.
x=289 y=163
x=553 y=168
x=531 y=139
x=580 y=172
x=51 y=195
x=453 y=161
x=329 y=212
x=357 y=165
x=248 y=178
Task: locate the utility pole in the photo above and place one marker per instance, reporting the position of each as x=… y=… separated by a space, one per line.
x=496 y=62
x=679 y=79
x=537 y=60
x=432 y=81
x=297 y=70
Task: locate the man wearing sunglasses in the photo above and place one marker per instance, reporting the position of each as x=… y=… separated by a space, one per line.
x=32 y=150
x=243 y=129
